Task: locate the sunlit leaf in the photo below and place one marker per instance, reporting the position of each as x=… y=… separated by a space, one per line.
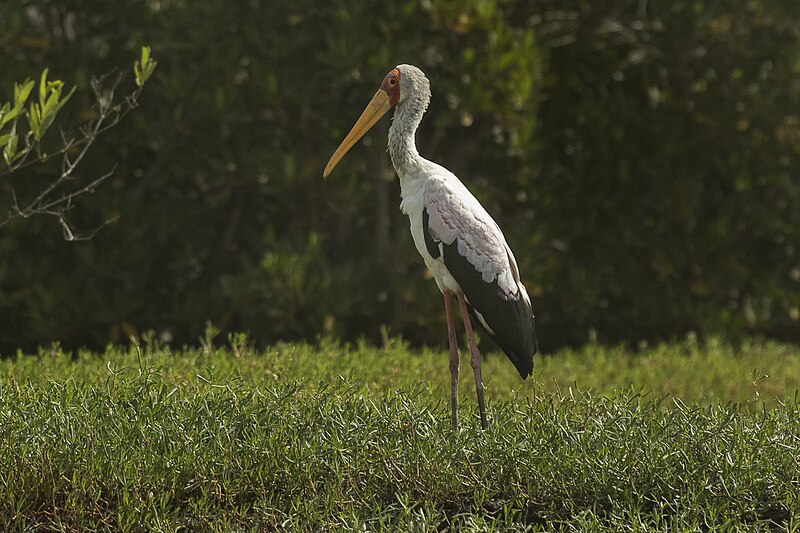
x=43 y=87
x=10 y=148
x=144 y=67
x=22 y=92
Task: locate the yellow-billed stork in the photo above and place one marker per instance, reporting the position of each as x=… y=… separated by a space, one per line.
x=461 y=244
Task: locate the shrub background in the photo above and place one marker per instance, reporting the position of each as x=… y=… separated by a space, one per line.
x=641 y=158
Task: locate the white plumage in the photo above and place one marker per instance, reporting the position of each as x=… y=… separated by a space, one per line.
x=457 y=216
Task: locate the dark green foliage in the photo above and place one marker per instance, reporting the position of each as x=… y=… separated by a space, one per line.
x=669 y=173
x=640 y=157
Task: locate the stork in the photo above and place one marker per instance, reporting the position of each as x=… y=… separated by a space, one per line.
x=461 y=244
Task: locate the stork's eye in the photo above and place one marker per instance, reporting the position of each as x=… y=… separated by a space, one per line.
x=392 y=82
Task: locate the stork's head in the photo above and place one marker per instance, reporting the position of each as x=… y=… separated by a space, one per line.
x=403 y=83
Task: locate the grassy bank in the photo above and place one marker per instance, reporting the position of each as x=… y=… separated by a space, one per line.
x=332 y=436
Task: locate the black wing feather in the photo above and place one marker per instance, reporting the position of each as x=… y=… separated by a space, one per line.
x=430 y=243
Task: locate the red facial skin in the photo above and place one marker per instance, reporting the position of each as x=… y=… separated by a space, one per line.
x=391 y=84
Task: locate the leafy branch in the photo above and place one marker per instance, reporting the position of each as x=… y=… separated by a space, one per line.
x=23 y=147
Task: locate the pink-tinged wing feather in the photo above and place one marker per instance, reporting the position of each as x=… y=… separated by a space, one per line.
x=456 y=215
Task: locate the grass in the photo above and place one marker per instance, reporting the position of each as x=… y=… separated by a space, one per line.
x=330 y=436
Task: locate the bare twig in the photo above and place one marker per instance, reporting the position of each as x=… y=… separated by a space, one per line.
x=51 y=202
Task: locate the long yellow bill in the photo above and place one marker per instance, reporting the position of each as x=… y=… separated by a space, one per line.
x=376 y=108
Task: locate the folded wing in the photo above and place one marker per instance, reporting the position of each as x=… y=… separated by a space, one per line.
x=459 y=232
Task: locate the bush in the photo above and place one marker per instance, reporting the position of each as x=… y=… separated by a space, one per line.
x=640 y=160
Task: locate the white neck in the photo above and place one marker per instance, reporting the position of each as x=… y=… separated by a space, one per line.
x=402 y=145
x=406 y=120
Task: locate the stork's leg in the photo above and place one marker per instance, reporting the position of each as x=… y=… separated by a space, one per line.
x=475 y=356
x=451 y=337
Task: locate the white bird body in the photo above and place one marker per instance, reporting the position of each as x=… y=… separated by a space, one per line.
x=461 y=244
x=455 y=215
x=413 y=192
